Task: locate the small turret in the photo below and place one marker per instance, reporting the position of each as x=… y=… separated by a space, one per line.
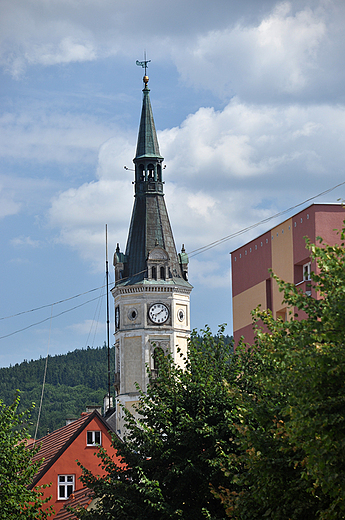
x=183 y=261
x=119 y=263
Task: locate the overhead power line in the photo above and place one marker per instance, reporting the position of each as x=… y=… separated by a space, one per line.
x=55 y=303
x=51 y=317
x=190 y=254
x=244 y=230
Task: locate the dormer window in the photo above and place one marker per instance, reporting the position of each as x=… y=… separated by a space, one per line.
x=93 y=438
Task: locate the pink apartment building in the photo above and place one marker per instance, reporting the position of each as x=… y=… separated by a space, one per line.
x=283 y=250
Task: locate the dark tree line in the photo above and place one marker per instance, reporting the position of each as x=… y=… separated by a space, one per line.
x=73 y=381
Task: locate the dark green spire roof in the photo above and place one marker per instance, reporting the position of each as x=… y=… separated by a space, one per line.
x=147 y=145
x=151 y=256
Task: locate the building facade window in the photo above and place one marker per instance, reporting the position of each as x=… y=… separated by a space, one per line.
x=93 y=438
x=306 y=271
x=65 y=486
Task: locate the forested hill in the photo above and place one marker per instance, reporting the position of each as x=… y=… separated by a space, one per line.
x=73 y=381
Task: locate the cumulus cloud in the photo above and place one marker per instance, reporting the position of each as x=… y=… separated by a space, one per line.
x=225 y=170
x=25 y=241
x=81 y=213
x=8 y=206
x=264 y=51
x=87 y=327
x=278 y=59
x=39 y=133
x=273 y=70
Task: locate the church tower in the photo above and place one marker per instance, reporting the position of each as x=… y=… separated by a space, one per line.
x=151 y=290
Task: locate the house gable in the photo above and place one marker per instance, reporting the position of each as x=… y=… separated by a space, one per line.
x=62 y=448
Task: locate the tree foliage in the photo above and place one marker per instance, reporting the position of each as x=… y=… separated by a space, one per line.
x=170 y=454
x=262 y=428
x=73 y=381
x=17 y=469
x=292 y=447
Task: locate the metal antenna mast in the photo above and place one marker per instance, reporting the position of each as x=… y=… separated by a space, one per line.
x=108 y=323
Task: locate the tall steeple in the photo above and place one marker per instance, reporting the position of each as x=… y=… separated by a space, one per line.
x=150 y=227
x=152 y=291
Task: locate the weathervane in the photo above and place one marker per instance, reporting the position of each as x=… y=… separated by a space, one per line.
x=144 y=65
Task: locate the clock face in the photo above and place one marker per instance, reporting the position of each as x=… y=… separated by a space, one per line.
x=158 y=313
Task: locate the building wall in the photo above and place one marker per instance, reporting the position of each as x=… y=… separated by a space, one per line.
x=66 y=464
x=283 y=250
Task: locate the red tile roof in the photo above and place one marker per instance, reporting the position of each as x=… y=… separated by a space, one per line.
x=55 y=443
x=78 y=499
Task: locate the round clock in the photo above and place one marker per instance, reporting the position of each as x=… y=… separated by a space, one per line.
x=158 y=313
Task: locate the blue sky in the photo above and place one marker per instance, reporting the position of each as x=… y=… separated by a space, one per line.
x=248 y=99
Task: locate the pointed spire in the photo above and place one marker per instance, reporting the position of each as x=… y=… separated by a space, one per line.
x=150 y=239
x=147 y=145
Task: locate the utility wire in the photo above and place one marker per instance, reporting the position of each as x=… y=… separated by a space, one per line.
x=191 y=254
x=46 y=319
x=244 y=230
x=55 y=303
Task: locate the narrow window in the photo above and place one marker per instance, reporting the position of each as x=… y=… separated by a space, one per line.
x=93 y=438
x=154 y=273
x=151 y=174
x=65 y=486
x=268 y=294
x=141 y=173
x=306 y=271
x=162 y=273
x=157 y=355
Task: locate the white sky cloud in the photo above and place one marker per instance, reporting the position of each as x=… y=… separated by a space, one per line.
x=214 y=180
x=25 y=241
x=258 y=126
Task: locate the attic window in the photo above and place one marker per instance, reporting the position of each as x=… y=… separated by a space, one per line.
x=93 y=438
x=65 y=486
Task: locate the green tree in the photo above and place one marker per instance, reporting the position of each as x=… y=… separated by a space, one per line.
x=292 y=442
x=17 y=469
x=170 y=454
